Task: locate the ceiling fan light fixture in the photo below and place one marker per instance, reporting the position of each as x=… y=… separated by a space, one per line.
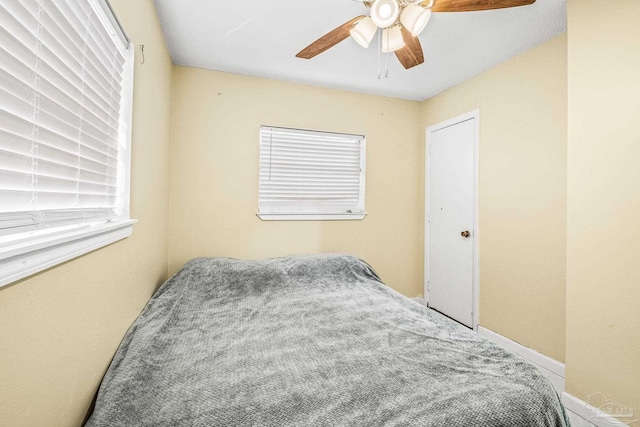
x=364 y=31
x=415 y=18
x=384 y=13
x=392 y=39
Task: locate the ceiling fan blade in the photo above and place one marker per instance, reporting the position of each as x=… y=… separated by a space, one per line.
x=411 y=54
x=329 y=40
x=473 y=5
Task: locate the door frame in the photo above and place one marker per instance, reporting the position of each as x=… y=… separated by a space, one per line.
x=472 y=115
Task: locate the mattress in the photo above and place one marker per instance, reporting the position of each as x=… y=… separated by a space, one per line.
x=310 y=341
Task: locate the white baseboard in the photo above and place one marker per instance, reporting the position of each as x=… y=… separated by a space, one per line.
x=581 y=413
x=592 y=415
x=550 y=368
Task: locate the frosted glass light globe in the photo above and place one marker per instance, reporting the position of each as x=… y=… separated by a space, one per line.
x=384 y=13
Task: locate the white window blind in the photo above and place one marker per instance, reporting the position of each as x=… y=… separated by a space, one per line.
x=62 y=137
x=66 y=74
x=311 y=175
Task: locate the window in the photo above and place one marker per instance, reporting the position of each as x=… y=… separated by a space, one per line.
x=310 y=175
x=66 y=79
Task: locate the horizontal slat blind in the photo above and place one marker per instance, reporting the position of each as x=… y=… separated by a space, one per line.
x=61 y=133
x=310 y=172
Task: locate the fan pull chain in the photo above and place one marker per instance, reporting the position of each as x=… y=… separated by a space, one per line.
x=386 y=74
x=379 y=54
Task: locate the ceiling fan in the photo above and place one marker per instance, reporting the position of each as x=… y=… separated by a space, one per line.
x=400 y=22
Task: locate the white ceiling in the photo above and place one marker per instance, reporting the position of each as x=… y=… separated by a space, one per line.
x=261 y=38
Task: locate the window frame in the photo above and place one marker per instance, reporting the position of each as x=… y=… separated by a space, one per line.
x=26 y=253
x=360 y=212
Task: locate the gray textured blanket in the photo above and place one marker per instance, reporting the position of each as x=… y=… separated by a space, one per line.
x=309 y=341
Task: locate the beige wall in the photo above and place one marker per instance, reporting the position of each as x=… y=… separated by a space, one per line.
x=603 y=244
x=214 y=173
x=59 y=329
x=522 y=192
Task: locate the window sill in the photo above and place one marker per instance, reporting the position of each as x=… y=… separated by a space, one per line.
x=24 y=257
x=310 y=217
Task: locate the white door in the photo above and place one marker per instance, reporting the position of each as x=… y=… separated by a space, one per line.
x=450 y=236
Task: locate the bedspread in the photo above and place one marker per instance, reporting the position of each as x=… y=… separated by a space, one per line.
x=310 y=341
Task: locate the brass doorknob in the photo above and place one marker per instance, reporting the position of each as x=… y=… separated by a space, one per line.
x=465 y=234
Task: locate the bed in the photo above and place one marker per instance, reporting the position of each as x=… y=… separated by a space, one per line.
x=310 y=341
